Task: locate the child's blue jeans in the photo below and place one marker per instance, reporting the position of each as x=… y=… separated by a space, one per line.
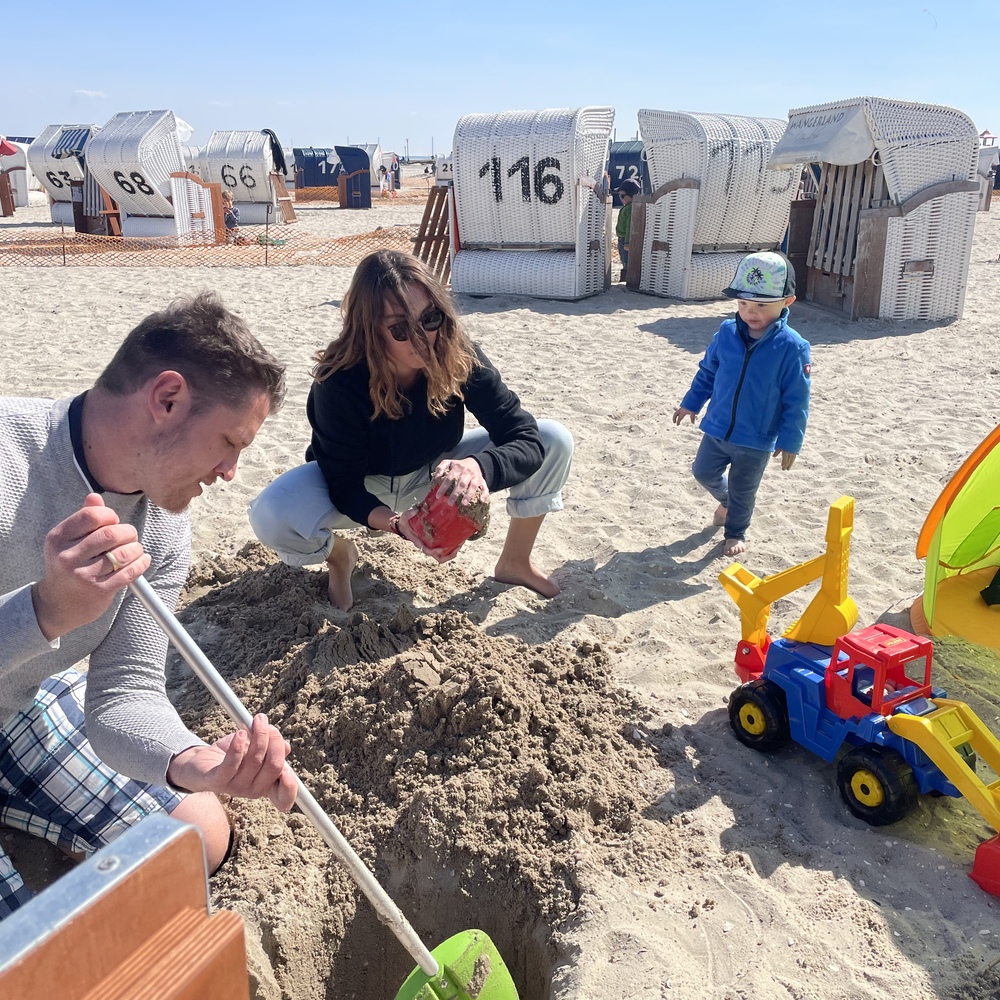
x=737 y=491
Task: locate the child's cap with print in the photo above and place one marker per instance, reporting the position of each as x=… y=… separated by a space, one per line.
x=767 y=276
x=629 y=187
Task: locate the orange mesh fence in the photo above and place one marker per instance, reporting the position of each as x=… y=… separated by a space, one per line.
x=412 y=192
x=324 y=194
x=272 y=246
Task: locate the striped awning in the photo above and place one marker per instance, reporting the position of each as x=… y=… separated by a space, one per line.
x=70 y=143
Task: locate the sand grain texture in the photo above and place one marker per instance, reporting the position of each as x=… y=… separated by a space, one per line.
x=562 y=773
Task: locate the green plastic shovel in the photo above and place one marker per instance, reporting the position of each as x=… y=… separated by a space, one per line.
x=465 y=967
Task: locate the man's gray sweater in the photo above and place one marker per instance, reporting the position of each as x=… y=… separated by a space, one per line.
x=130 y=722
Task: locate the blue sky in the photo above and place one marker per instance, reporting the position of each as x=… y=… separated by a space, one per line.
x=323 y=73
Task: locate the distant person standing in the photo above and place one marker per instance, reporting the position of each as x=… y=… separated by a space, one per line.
x=231 y=217
x=383 y=182
x=627 y=190
x=231 y=214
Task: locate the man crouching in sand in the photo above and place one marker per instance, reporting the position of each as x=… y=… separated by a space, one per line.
x=94 y=493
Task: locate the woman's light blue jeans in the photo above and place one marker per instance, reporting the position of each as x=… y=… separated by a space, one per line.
x=294 y=515
x=737 y=491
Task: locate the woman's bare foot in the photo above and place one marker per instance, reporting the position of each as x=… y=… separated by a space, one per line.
x=734 y=546
x=342 y=560
x=530 y=576
x=719 y=517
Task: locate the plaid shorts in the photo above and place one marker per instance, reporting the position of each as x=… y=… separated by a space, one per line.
x=53 y=785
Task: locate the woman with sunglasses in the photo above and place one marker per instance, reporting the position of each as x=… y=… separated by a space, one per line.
x=387 y=410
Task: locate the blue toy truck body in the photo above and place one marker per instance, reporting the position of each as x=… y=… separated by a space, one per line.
x=800 y=670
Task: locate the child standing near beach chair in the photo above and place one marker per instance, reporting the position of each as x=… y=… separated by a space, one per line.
x=627 y=190
x=755 y=378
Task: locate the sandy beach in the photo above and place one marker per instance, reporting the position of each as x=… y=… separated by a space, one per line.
x=562 y=772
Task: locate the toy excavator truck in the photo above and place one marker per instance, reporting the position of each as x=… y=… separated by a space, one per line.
x=868 y=692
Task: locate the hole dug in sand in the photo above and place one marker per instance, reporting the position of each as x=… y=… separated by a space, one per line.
x=476 y=776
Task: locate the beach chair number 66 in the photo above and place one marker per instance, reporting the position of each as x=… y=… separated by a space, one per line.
x=138 y=182
x=246 y=178
x=548 y=187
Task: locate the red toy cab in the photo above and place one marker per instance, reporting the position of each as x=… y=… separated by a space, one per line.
x=871 y=673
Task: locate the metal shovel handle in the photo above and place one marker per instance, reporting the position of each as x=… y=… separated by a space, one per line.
x=387 y=910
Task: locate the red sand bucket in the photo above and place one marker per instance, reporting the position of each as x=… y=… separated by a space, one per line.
x=442 y=525
x=986 y=866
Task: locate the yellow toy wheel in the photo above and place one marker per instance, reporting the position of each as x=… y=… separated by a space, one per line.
x=758 y=715
x=752 y=720
x=867 y=788
x=877 y=785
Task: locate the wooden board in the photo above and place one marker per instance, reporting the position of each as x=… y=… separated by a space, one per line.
x=285 y=205
x=637 y=239
x=432 y=243
x=6 y=195
x=147 y=934
x=800 y=221
x=873 y=231
x=835 y=291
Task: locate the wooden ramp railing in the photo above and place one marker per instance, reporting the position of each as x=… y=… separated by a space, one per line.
x=432 y=244
x=284 y=199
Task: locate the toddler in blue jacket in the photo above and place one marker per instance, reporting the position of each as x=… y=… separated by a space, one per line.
x=755 y=377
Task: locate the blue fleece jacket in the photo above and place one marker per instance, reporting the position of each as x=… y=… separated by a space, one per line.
x=758 y=390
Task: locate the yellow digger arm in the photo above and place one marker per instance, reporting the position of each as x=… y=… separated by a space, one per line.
x=830 y=614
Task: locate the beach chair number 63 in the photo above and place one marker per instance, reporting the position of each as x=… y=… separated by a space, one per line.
x=138 y=182
x=548 y=187
x=51 y=177
x=246 y=177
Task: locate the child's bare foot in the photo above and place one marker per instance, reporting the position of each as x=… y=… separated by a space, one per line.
x=734 y=546
x=342 y=561
x=719 y=517
x=529 y=576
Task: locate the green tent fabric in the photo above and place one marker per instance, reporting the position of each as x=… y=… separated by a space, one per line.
x=961 y=543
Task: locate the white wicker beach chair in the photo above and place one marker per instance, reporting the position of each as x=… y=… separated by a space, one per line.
x=522 y=224
x=242 y=162
x=132 y=158
x=729 y=204
x=56 y=159
x=15 y=166
x=198 y=210
x=896 y=205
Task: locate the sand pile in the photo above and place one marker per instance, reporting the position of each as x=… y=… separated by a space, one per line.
x=466 y=769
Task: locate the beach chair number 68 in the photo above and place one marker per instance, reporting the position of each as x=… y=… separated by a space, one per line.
x=247 y=178
x=542 y=180
x=140 y=183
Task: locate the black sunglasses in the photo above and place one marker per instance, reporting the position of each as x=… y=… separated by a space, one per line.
x=430 y=320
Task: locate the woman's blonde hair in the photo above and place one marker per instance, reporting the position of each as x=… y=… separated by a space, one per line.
x=379 y=283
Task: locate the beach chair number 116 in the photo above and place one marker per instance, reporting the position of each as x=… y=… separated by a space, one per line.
x=548 y=187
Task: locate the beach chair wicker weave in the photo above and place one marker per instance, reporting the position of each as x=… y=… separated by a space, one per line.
x=56 y=159
x=522 y=223
x=132 y=158
x=194 y=212
x=242 y=163
x=694 y=237
x=926 y=196
x=920 y=145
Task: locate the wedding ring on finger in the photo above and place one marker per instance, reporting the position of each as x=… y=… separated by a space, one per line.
x=110 y=556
